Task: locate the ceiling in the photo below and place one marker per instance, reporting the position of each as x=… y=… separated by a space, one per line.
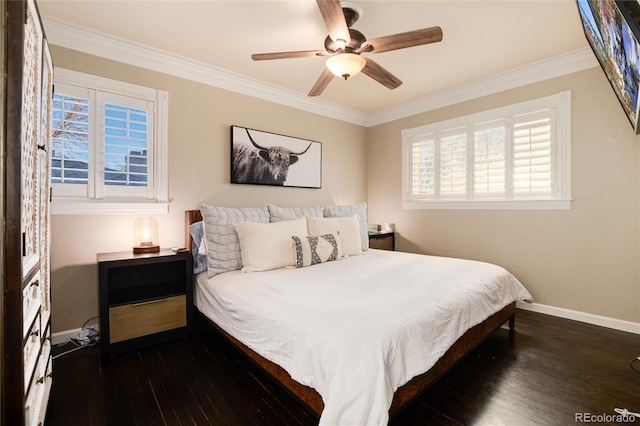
x=481 y=39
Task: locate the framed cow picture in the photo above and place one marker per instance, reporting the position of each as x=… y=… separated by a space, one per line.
x=263 y=158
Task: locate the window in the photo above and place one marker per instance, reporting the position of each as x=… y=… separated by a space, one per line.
x=516 y=157
x=109 y=146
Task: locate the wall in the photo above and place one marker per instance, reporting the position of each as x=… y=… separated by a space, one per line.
x=583 y=259
x=199 y=152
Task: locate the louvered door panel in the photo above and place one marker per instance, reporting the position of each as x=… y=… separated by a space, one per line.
x=31 y=123
x=26 y=324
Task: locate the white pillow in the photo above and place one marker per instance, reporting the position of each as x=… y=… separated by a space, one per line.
x=347 y=227
x=360 y=210
x=265 y=246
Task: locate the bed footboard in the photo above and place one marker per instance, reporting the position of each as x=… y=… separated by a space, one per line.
x=460 y=349
x=405 y=394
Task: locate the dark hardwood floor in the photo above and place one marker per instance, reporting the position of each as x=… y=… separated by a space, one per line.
x=544 y=373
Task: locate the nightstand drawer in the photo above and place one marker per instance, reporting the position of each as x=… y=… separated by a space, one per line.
x=140 y=319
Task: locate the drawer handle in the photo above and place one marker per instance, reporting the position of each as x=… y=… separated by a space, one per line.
x=50 y=375
x=40 y=380
x=35 y=333
x=148 y=302
x=36 y=283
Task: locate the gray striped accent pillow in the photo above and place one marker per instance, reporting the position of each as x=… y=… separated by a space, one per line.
x=319 y=249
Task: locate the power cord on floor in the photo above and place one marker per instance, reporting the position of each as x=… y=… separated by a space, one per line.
x=89 y=335
x=623 y=411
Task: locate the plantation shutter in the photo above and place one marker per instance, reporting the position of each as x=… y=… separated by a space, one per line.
x=533 y=155
x=109 y=146
x=490 y=161
x=453 y=165
x=124 y=146
x=444 y=162
x=70 y=147
x=518 y=156
x=423 y=160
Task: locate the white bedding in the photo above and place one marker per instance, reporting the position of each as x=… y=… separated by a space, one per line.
x=357 y=329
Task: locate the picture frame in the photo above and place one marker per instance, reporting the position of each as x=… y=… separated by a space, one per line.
x=264 y=158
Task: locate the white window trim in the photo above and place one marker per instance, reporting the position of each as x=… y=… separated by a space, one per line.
x=561 y=102
x=160 y=150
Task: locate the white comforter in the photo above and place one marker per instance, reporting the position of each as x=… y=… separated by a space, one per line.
x=357 y=329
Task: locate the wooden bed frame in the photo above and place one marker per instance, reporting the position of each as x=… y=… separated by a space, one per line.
x=403 y=395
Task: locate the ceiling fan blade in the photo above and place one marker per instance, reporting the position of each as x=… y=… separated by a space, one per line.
x=333 y=16
x=288 y=55
x=381 y=75
x=402 y=40
x=322 y=83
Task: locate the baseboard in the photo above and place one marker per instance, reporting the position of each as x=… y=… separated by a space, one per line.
x=64 y=336
x=616 y=324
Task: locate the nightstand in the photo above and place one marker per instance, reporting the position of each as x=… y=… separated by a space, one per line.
x=382 y=240
x=145 y=299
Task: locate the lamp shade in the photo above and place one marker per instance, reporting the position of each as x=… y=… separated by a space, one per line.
x=346 y=65
x=145 y=235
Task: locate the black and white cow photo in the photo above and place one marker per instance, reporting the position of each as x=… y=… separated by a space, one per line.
x=264 y=158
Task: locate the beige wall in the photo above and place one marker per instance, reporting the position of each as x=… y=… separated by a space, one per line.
x=199 y=120
x=584 y=259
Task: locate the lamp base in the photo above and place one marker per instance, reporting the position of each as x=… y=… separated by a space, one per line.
x=145 y=249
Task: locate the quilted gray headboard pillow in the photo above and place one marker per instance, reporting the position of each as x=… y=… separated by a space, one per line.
x=223 y=246
x=280 y=214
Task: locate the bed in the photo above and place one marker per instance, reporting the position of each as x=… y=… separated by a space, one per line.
x=341 y=371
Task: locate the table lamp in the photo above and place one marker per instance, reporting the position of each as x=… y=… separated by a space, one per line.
x=145 y=235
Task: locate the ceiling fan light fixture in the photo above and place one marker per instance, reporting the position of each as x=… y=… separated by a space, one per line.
x=346 y=65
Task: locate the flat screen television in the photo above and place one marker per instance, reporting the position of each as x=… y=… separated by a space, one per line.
x=613 y=36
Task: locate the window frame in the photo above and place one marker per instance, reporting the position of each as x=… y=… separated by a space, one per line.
x=561 y=160
x=156 y=195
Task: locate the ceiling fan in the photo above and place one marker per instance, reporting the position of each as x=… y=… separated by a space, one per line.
x=344 y=45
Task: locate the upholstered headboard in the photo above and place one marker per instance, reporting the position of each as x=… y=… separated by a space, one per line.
x=190 y=216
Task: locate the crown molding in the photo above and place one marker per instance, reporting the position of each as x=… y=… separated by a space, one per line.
x=556 y=66
x=86 y=40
